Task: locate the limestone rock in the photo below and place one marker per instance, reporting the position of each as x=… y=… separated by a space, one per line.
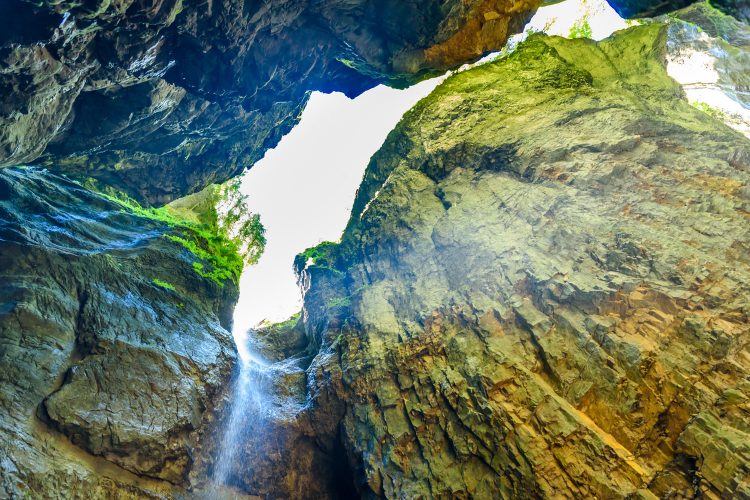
x=543 y=288
x=106 y=377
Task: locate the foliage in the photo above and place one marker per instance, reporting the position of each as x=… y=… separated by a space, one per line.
x=222 y=244
x=710 y=110
x=163 y=284
x=581 y=29
x=220 y=253
x=241 y=225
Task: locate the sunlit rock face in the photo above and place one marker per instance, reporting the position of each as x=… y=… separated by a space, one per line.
x=106 y=377
x=543 y=290
x=162 y=98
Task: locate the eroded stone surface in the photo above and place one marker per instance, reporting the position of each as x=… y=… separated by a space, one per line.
x=543 y=289
x=106 y=377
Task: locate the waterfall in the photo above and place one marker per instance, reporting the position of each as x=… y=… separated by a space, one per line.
x=256 y=407
x=249 y=406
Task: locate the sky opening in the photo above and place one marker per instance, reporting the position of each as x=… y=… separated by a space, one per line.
x=304 y=188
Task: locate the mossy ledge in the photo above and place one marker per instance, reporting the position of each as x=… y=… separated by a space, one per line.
x=199 y=228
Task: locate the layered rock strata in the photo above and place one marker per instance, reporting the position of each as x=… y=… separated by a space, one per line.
x=113 y=349
x=543 y=289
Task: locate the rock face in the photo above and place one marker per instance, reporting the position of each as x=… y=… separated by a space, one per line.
x=648 y=8
x=544 y=288
x=163 y=98
x=113 y=350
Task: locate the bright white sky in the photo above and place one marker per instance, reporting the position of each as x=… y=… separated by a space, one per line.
x=304 y=189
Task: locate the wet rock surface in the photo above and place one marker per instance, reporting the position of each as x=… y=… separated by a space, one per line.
x=279 y=432
x=543 y=289
x=106 y=377
x=162 y=98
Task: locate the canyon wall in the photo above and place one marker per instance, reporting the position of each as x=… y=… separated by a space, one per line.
x=114 y=350
x=543 y=290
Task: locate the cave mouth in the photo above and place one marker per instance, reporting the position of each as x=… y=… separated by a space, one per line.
x=304 y=188
x=303 y=191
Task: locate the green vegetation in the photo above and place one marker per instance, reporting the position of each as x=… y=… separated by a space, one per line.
x=241 y=225
x=581 y=29
x=222 y=242
x=322 y=256
x=289 y=323
x=163 y=284
x=710 y=110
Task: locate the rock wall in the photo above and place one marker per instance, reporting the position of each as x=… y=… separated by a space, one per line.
x=162 y=98
x=113 y=350
x=543 y=289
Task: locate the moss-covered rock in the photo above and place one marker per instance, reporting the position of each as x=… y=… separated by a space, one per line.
x=113 y=351
x=547 y=278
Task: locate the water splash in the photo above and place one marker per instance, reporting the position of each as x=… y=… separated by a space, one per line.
x=249 y=407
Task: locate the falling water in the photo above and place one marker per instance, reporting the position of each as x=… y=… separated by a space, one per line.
x=249 y=406
x=254 y=408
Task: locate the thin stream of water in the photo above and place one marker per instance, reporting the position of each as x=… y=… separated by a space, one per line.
x=248 y=411
x=255 y=407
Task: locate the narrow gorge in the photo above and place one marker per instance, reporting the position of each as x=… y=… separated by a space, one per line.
x=542 y=289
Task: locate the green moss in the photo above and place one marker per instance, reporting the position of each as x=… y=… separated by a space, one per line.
x=322 y=256
x=289 y=323
x=710 y=110
x=163 y=284
x=221 y=256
